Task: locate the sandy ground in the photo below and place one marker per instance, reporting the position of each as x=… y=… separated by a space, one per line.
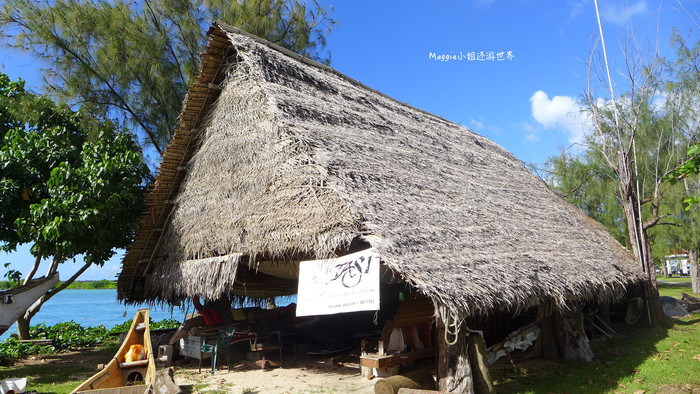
x=304 y=376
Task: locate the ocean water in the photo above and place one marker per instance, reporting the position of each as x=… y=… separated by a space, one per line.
x=90 y=308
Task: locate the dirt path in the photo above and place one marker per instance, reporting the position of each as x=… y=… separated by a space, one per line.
x=302 y=377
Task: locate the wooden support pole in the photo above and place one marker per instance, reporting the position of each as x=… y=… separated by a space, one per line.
x=454 y=372
x=572 y=339
x=479 y=365
x=550 y=347
x=442 y=372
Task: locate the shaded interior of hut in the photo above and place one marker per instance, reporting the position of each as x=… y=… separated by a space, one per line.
x=257 y=324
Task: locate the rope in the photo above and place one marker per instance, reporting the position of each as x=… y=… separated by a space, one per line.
x=452 y=325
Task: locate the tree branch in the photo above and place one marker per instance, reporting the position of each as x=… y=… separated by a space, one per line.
x=34 y=309
x=31 y=273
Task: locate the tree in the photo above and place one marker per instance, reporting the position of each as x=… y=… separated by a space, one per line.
x=134 y=60
x=638 y=143
x=586 y=182
x=69 y=184
x=686 y=92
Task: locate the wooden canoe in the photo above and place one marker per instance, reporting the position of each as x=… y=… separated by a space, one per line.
x=14 y=302
x=120 y=376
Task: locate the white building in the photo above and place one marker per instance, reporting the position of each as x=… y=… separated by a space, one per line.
x=677 y=264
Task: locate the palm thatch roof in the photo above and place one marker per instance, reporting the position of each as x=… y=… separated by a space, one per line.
x=277 y=158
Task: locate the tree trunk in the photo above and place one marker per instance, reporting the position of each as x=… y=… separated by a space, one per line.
x=573 y=342
x=641 y=247
x=656 y=309
x=23 y=327
x=24 y=321
x=694 y=270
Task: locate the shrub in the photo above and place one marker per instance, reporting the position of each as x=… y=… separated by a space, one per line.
x=66 y=336
x=165 y=323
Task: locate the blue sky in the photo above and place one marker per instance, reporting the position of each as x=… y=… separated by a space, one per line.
x=528 y=103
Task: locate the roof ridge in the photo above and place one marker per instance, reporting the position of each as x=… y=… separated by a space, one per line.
x=230 y=29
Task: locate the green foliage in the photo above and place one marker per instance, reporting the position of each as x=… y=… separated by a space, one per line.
x=70 y=335
x=162 y=324
x=90 y=284
x=12 y=275
x=690 y=167
x=69 y=183
x=685 y=90
x=586 y=182
x=656 y=138
x=67 y=336
x=136 y=59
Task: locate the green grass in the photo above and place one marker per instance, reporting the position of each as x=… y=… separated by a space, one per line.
x=649 y=360
x=672 y=287
x=674 y=278
x=61 y=378
x=674 y=291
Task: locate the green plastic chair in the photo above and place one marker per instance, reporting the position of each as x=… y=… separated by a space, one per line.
x=223 y=338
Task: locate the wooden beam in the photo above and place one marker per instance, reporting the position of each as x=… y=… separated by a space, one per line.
x=379 y=361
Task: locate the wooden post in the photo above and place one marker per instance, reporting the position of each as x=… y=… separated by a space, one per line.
x=479 y=365
x=573 y=343
x=441 y=355
x=454 y=372
x=550 y=348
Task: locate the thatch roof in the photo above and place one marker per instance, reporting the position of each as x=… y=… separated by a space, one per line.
x=278 y=158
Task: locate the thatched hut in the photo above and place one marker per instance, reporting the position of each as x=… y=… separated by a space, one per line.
x=277 y=159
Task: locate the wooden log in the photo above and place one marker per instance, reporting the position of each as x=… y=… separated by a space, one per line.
x=479 y=365
x=571 y=337
x=165 y=383
x=379 y=361
x=421 y=379
x=37 y=341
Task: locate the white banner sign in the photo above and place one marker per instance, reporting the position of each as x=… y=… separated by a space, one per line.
x=346 y=284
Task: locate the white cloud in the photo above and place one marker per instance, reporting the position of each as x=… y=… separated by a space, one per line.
x=559 y=112
x=659 y=101
x=577 y=7
x=622 y=12
x=532 y=131
x=476 y=124
x=479 y=125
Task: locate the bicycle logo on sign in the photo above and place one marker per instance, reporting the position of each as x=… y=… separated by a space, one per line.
x=350 y=273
